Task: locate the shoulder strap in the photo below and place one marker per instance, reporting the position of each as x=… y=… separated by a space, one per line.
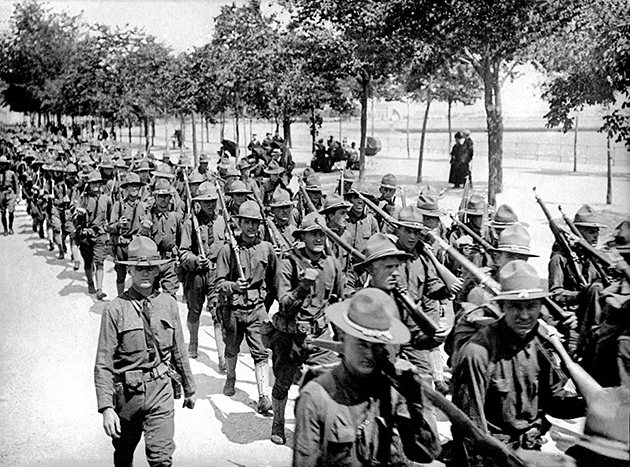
x=154 y=355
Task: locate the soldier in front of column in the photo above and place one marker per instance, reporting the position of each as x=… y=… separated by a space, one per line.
x=281 y=207
x=249 y=296
x=140 y=361
x=308 y=283
x=90 y=220
x=8 y=195
x=501 y=379
x=163 y=226
x=199 y=263
x=125 y=222
x=387 y=200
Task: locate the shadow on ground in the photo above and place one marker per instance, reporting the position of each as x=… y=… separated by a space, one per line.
x=243 y=428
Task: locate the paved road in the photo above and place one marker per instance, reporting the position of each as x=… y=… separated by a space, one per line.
x=49 y=329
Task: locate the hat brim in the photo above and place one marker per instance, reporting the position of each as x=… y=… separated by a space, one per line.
x=381 y=255
x=437 y=213
x=391 y=187
x=239 y=216
x=471 y=212
x=205 y=198
x=297 y=233
x=125 y=185
x=337 y=312
x=144 y=262
x=411 y=225
x=515 y=251
x=520 y=296
x=589 y=224
x=503 y=225
x=239 y=192
x=334 y=207
x=162 y=192
x=283 y=204
x=274 y=171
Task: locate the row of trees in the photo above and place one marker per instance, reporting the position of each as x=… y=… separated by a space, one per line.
x=318 y=54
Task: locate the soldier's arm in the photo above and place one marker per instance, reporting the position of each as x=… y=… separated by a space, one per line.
x=291 y=294
x=271 y=276
x=114 y=224
x=224 y=271
x=187 y=258
x=104 y=366
x=310 y=418
x=557 y=265
x=179 y=355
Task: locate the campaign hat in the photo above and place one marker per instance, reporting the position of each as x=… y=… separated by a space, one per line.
x=249 y=210
x=196 y=177
x=519 y=281
x=280 y=198
x=587 y=217
x=143 y=166
x=71 y=169
x=162 y=187
x=132 y=178
x=273 y=168
x=164 y=171
x=313 y=183
x=359 y=186
x=142 y=251
x=504 y=217
x=380 y=246
x=621 y=238
x=514 y=239
x=203 y=158
x=389 y=181
x=207 y=192
x=410 y=217
x=106 y=163
x=312 y=221
x=334 y=202
x=370 y=315
x=238 y=188
x=224 y=163
x=428 y=206
x=94 y=177
x=475 y=205
x=4 y=160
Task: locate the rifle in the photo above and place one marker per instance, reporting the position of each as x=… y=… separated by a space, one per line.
x=427 y=325
x=193 y=217
x=486 y=444
x=450 y=280
x=601 y=258
x=561 y=240
x=403 y=198
x=477 y=238
x=230 y=234
x=341 y=182
x=306 y=198
x=464 y=201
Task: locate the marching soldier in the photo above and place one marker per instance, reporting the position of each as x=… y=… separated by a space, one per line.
x=140 y=349
x=8 y=195
x=199 y=263
x=125 y=223
x=246 y=277
x=269 y=186
x=309 y=281
x=281 y=207
x=502 y=218
x=387 y=200
x=361 y=224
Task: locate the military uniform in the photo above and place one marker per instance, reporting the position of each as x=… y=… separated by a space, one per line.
x=8 y=195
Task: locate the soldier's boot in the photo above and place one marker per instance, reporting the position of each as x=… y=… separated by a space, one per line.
x=51 y=239
x=262 y=383
x=4 y=224
x=100 y=295
x=230 y=380
x=277 y=427
x=90 y=280
x=11 y=224
x=60 y=246
x=120 y=287
x=218 y=337
x=193 y=328
x=75 y=256
x=40 y=229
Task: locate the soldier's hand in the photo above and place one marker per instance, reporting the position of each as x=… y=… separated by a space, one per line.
x=146 y=223
x=203 y=262
x=545 y=459
x=408 y=379
x=441 y=334
x=456 y=288
x=123 y=220
x=241 y=286
x=309 y=276
x=571 y=322
x=190 y=401
x=549 y=333
x=111 y=423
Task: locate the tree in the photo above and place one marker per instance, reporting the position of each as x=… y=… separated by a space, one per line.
x=493 y=37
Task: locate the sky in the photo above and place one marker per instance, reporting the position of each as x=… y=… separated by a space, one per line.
x=179 y=24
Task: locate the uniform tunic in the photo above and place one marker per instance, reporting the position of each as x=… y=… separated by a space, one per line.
x=360 y=229
x=345 y=421
x=165 y=232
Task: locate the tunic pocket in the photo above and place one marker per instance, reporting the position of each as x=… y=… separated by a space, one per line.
x=132 y=339
x=341 y=444
x=165 y=333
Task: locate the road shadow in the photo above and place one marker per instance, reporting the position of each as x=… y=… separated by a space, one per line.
x=99 y=306
x=208 y=386
x=243 y=428
x=69 y=273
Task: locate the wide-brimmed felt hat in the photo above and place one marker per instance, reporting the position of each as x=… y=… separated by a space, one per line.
x=131 y=178
x=203 y=158
x=120 y=164
x=143 y=166
x=164 y=171
x=207 y=192
x=106 y=163
x=143 y=252
x=196 y=177
x=4 y=160
x=334 y=202
x=312 y=221
x=224 y=163
x=71 y=169
x=504 y=217
x=519 y=281
x=475 y=205
x=380 y=246
x=389 y=181
x=410 y=217
x=280 y=198
x=273 y=168
x=514 y=239
x=428 y=206
x=458 y=135
x=238 y=188
x=243 y=164
x=359 y=186
x=370 y=315
x=621 y=238
x=232 y=172
x=94 y=177
x=162 y=187
x=313 y=183
x=432 y=191
x=587 y=217
x=249 y=210
x=348 y=176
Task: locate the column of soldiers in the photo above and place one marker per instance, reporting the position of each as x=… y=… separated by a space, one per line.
x=372 y=288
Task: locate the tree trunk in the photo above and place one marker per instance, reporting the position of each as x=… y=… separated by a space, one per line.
x=313 y=130
x=222 y=127
x=238 y=136
x=58 y=118
x=575 y=135
x=408 y=118
x=147 y=141
x=166 y=142
x=207 y=133
x=372 y=115
x=365 y=88
x=201 y=131
x=424 y=132
x=494 y=122
x=129 y=128
x=608 y=171
x=286 y=131
x=182 y=125
x=152 y=132
x=194 y=137
x=450 y=140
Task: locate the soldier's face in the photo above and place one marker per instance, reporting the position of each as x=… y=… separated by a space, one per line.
x=208 y=208
x=316 y=197
x=384 y=273
x=315 y=241
x=143 y=277
x=145 y=176
x=133 y=191
x=357 y=204
x=501 y=258
x=387 y=193
x=162 y=201
x=249 y=228
x=362 y=358
x=239 y=199
x=281 y=214
x=430 y=222
x=590 y=234
x=339 y=219
x=521 y=315
x=408 y=238
x=475 y=221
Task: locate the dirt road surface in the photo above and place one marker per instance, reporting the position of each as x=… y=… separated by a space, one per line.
x=49 y=329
